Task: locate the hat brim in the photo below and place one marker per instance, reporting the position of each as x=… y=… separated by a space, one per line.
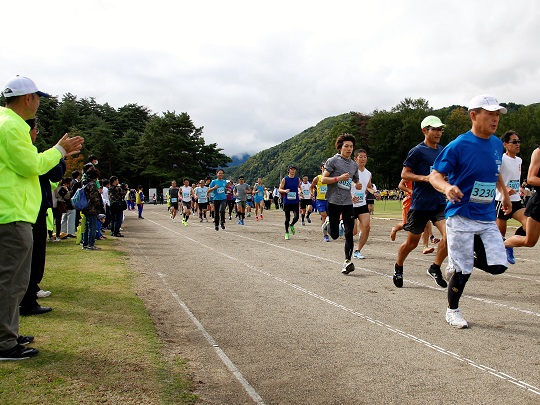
x=41 y=94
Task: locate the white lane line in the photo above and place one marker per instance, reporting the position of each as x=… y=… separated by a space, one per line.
x=224 y=358
x=455 y=356
x=221 y=354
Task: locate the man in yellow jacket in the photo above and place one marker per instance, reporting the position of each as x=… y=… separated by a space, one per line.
x=20 y=200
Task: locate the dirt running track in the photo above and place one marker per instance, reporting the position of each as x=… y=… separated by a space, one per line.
x=265 y=320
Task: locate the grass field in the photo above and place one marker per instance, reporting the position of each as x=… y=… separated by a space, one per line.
x=98 y=345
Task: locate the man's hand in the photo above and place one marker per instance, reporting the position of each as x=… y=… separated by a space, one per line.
x=453 y=193
x=72 y=146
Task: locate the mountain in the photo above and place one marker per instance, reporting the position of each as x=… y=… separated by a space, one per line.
x=237 y=160
x=307 y=150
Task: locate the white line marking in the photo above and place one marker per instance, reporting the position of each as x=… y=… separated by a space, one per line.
x=489 y=370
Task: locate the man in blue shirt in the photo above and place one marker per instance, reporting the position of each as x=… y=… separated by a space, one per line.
x=472 y=163
x=220 y=198
x=427 y=203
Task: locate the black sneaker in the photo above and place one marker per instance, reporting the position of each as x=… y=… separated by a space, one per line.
x=437 y=276
x=348 y=267
x=217 y=228
x=19 y=352
x=25 y=340
x=222 y=226
x=398 y=276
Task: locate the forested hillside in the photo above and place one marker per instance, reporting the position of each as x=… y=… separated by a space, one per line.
x=386 y=135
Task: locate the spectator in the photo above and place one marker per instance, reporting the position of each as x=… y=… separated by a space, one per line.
x=94 y=208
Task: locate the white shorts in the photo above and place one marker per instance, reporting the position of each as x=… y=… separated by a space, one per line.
x=460 y=233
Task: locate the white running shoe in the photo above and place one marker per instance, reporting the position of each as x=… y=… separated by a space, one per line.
x=43 y=294
x=454 y=318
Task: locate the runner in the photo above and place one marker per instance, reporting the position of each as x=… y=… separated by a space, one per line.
x=472 y=163
x=290 y=187
x=220 y=198
x=511 y=175
x=173 y=200
x=340 y=171
x=186 y=201
x=201 y=191
x=427 y=203
x=362 y=217
x=533 y=207
x=319 y=191
x=258 y=199
x=241 y=191
x=305 y=201
x=210 y=196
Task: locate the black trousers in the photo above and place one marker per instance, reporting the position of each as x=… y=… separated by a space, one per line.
x=346 y=212
x=39 y=232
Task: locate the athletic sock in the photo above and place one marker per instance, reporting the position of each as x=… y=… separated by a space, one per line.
x=456 y=285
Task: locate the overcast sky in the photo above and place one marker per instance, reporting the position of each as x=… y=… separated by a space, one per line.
x=256 y=73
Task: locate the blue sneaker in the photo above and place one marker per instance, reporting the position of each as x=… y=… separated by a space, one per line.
x=308 y=220
x=510 y=255
x=326 y=238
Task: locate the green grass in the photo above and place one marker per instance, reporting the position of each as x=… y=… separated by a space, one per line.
x=99 y=344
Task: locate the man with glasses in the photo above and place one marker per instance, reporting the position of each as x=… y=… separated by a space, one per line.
x=20 y=166
x=511 y=176
x=427 y=203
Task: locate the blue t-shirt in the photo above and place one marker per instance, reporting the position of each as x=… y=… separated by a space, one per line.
x=473 y=164
x=219 y=192
x=420 y=160
x=259 y=195
x=291 y=197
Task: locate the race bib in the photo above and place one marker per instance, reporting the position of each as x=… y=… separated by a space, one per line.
x=291 y=195
x=174 y=200
x=323 y=189
x=360 y=194
x=514 y=184
x=305 y=193
x=345 y=184
x=482 y=192
x=220 y=190
x=186 y=196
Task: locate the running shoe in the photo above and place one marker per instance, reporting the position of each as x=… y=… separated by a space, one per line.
x=348 y=267
x=242 y=222
x=326 y=238
x=510 y=255
x=436 y=274
x=217 y=228
x=222 y=226
x=355 y=254
x=287 y=237
x=398 y=276
x=359 y=255
x=292 y=229
x=239 y=222
x=434 y=240
x=455 y=318
x=303 y=223
x=261 y=217
x=206 y=219
x=200 y=220
x=308 y=220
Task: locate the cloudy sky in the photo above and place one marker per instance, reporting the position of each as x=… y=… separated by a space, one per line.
x=256 y=73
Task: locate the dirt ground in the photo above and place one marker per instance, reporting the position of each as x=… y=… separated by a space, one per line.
x=265 y=320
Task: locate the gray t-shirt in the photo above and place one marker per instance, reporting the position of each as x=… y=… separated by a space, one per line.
x=340 y=193
x=241 y=191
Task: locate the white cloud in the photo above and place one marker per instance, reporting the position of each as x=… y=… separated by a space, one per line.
x=254 y=74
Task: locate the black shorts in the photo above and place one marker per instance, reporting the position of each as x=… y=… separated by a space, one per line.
x=516 y=206
x=363 y=209
x=533 y=207
x=304 y=203
x=203 y=206
x=418 y=219
x=187 y=204
x=175 y=206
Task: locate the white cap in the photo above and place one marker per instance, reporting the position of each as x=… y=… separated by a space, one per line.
x=20 y=85
x=488 y=103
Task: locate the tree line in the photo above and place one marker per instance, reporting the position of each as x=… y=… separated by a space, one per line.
x=387 y=136
x=131 y=142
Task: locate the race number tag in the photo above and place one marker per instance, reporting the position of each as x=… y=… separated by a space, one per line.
x=345 y=184
x=360 y=194
x=220 y=190
x=291 y=195
x=174 y=200
x=482 y=192
x=305 y=193
x=186 y=196
x=514 y=184
x=323 y=189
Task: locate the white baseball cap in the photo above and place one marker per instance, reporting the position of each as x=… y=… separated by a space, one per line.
x=20 y=85
x=488 y=103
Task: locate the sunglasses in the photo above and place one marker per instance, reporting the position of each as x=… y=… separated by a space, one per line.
x=515 y=142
